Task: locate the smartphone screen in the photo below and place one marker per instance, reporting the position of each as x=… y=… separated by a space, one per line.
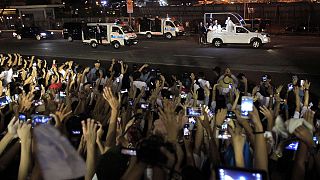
x=240 y=173
x=130 y=152
x=62 y=94
x=246 y=106
x=231 y=115
x=76 y=132
x=292 y=146
x=192 y=123
x=144 y=105
x=5 y=100
x=193 y=111
x=302 y=83
x=290 y=87
x=223 y=132
x=22 y=117
x=122 y=91
x=40 y=119
x=186 y=131
x=38 y=102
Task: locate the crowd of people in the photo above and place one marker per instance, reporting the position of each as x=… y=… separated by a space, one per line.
x=66 y=121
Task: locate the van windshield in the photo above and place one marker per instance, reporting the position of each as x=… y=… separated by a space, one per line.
x=127 y=29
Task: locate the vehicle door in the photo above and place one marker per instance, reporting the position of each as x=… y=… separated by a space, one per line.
x=242 y=35
x=169 y=27
x=117 y=35
x=104 y=35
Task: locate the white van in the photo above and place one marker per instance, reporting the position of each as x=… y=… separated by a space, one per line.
x=160 y=27
x=110 y=33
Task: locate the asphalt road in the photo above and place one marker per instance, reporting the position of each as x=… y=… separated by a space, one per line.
x=284 y=56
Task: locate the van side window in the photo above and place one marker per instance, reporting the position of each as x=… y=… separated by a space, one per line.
x=116 y=29
x=169 y=23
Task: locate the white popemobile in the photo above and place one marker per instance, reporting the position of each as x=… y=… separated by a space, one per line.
x=234 y=33
x=108 y=33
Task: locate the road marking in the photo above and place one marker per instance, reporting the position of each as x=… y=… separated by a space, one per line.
x=185 y=55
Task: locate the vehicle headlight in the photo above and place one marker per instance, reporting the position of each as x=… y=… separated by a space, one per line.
x=51 y=33
x=126 y=37
x=43 y=34
x=14 y=34
x=177 y=29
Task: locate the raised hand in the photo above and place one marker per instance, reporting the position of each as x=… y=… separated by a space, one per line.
x=304 y=135
x=62 y=112
x=221 y=116
x=24 y=132
x=89 y=129
x=111 y=99
x=238 y=141
x=169 y=118
x=25 y=101
x=13 y=127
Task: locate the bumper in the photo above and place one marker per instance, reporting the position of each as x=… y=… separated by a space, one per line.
x=266 y=40
x=181 y=33
x=130 y=42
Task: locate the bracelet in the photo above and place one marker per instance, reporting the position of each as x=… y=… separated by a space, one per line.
x=261 y=132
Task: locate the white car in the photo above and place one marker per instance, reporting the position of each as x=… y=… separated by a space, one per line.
x=239 y=35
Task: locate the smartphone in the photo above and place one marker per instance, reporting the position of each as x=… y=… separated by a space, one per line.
x=122 y=91
x=76 y=132
x=38 y=102
x=230 y=86
x=290 y=87
x=127 y=151
x=223 y=173
x=118 y=80
x=246 y=106
x=144 y=105
x=183 y=95
x=62 y=94
x=223 y=132
x=192 y=123
x=302 y=83
x=40 y=119
x=37 y=88
x=293 y=146
x=231 y=115
x=193 y=111
x=5 y=100
x=264 y=78
x=186 y=131
x=146 y=88
x=130 y=101
x=22 y=117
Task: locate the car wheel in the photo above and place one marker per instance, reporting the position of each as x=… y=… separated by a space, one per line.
x=217 y=43
x=70 y=39
x=19 y=37
x=149 y=36
x=256 y=43
x=94 y=44
x=116 y=45
x=38 y=37
x=168 y=35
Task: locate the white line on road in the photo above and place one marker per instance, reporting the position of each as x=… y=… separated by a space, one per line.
x=185 y=55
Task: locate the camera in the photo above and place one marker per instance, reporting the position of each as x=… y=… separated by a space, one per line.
x=246 y=106
x=193 y=111
x=5 y=100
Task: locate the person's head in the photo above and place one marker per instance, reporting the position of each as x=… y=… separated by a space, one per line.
x=201 y=23
x=97 y=64
x=201 y=75
x=227 y=72
x=136 y=75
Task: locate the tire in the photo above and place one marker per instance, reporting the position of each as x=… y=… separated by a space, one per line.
x=19 y=37
x=217 y=43
x=168 y=35
x=94 y=44
x=149 y=35
x=256 y=43
x=116 y=45
x=70 y=39
x=38 y=37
